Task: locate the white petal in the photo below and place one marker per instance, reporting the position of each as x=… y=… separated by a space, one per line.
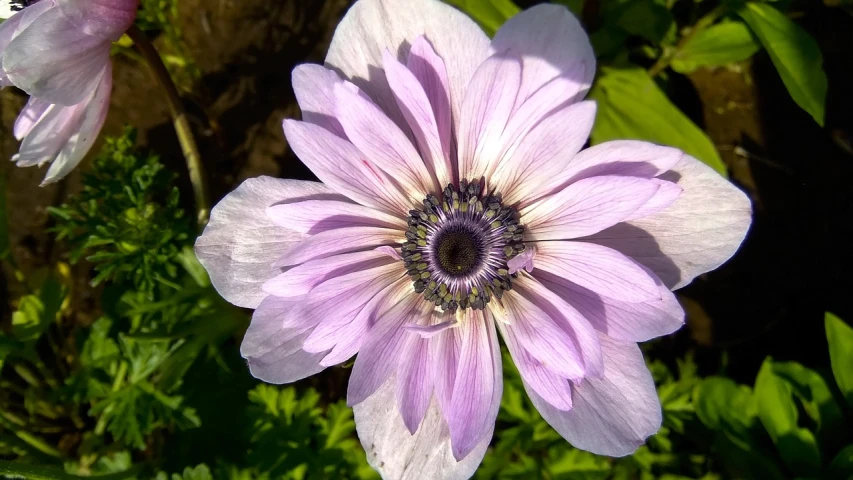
x=697 y=233
x=241 y=244
x=372 y=26
x=399 y=455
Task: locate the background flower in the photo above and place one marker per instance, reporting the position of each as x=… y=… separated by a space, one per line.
x=58 y=52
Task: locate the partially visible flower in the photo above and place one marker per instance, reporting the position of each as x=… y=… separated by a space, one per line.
x=58 y=52
x=457 y=203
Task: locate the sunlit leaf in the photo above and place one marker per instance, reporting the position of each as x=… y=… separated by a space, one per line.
x=778 y=413
x=840 y=338
x=794 y=53
x=717 y=45
x=631 y=106
x=814 y=395
x=490 y=14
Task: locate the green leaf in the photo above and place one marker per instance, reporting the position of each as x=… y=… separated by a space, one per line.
x=490 y=14
x=36 y=312
x=778 y=414
x=723 y=405
x=814 y=394
x=648 y=19
x=840 y=338
x=631 y=106
x=842 y=465
x=200 y=472
x=794 y=53
x=718 y=45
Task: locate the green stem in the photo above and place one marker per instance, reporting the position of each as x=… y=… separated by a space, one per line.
x=702 y=24
x=44 y=472
x=179 y=120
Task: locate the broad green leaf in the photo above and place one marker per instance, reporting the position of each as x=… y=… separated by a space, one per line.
x=723 y=405
x=631 y=106
x=778 y=413
x=815 y=396
x=720 y=44
x=490 y=14
x=840 y=338
x=794 y=53
x=842 y=465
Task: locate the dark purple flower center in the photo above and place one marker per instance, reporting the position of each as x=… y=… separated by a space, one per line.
x=457 y=248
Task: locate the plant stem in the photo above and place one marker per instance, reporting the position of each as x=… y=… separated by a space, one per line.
x=702 y=24
x=179 y=119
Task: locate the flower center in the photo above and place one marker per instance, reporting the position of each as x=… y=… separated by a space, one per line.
x=457 y=248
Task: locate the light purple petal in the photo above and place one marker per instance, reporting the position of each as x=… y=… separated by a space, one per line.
x=351 y=336
x=382 y=141
x=624 y=321
x=273 y=351
x=540 y=335
x=486 y=110
x=445 y=349
x=696 y=234
x=84 y=135
x=586 y=207
x=241 y=244
x=551 y=42
x=420 y=117
x=612 y=415
x=49 y=135
x=337 y=163
x=478 y=386
x=371 y=27
x=314 y=216
x=431 y=73
x=286 y=363
x=667 y=194
x=53 y=59
x=108 y=19
x=341 y=240
x=522 y=261
x=630 y=158
x=603 y=270
x=300 y=279
x=414 y=382
x=543 y=153
x=554 y=389
x=32 y=112
x=429 y=331
x=382 y=349
x=341 y=301
x=397 y=454
x=275 y=321
x=314 y=87
x=582 y=335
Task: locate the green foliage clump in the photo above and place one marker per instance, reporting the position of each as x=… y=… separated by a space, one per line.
x=126 y=220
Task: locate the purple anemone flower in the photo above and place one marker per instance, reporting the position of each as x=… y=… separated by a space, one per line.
x=58 y=52
x=456 y=202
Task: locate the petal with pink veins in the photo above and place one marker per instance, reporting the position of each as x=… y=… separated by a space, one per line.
x=696 y=234
x=551 y=42
x=339 y=164
x=314 y=216
x=612 y=415
x=371 y=27
x=600 y=269
x=241 y=244
x=586 y=207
